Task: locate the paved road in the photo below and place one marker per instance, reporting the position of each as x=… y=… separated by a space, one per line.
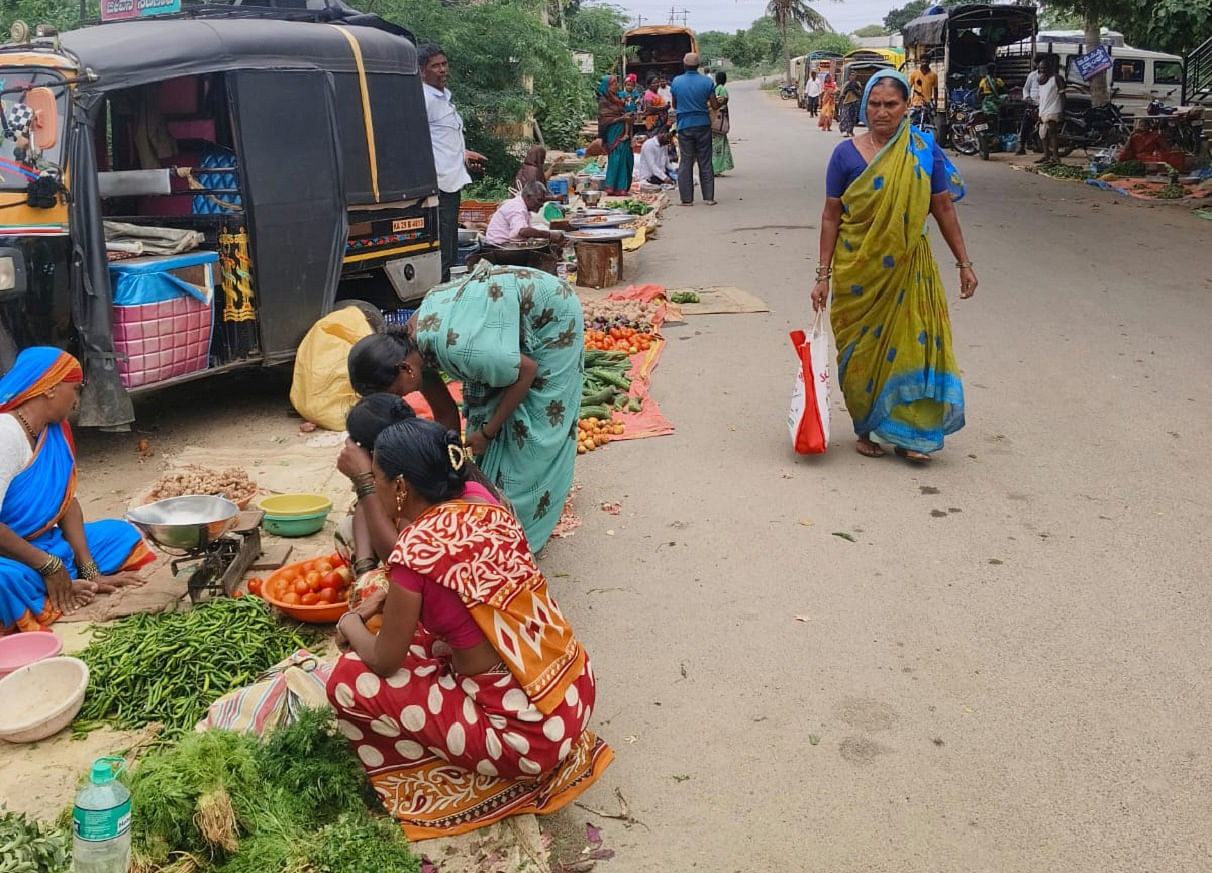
x=1008 y=670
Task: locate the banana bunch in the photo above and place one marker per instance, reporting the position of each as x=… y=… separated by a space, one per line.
x=29 y=847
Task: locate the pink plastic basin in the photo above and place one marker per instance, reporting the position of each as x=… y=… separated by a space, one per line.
x=17 y=650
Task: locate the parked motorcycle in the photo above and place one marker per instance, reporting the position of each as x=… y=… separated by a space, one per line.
x=1092 y=127
x=789 y=92
x=970 y=131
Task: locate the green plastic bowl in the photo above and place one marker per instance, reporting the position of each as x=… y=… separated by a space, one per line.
x=294 y=525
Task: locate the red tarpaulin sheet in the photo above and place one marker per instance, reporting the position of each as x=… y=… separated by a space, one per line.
x=649 y=422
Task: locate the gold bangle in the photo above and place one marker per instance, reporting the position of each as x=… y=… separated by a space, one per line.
x=964 y=265
x=89 y=571
x=52 y=566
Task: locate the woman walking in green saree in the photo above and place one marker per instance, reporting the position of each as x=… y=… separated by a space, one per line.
x=515 y=337
x=614 y=129
x=889 y=314
x=721 y=123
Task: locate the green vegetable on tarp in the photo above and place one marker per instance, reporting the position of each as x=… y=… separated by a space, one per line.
x=28 y=846
x=169 y=667
x=298 y=801
x=684 y=297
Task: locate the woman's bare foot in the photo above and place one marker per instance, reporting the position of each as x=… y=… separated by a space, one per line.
x=910 y=455
x=82 y=595
x=868 y=449
x=110 y=584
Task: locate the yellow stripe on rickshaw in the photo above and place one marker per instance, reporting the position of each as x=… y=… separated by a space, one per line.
x=367 y=120
x=370 y=256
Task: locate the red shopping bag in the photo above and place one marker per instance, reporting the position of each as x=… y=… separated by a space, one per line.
x=808 y=420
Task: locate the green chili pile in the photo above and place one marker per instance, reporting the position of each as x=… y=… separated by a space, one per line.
x=168 y=668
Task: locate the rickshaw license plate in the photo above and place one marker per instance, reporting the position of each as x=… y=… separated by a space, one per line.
x=980 y=128
x=402 y=224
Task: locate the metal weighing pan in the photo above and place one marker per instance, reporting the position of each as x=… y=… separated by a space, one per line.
x=187 y=523
x=603 y=234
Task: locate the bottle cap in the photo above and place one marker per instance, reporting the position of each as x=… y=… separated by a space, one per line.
x=105 y=771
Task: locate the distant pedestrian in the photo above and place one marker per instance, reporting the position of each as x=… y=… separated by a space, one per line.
x=828 y=104
x=812 y=94
x=889 y=313
x=614 y=129
x=451 y=156
x=694 y=98
x=852 y=93
x=1051 y=111
x=667 y=95
x=721 y=123
x=1031 y=99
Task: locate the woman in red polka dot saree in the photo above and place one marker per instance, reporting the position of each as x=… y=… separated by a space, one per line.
x=473 y=701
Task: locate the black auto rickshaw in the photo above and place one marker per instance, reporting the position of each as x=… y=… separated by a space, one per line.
x=189 y=194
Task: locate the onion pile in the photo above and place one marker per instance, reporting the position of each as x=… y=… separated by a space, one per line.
x=604 y=314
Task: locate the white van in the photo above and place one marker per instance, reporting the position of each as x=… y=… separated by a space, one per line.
x=1136 y=75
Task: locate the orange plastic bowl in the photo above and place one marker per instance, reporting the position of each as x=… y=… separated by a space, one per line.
x=311 y=614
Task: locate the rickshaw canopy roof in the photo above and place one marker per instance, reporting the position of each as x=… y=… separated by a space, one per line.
x=1003 y=24
x=132 y=53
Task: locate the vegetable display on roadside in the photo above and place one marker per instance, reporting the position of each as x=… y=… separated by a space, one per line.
x=635 y=207
x=28 y=846
x=296 y=802
x=168 y=668
x=607 y=385
x=232 y=483
x=618 y=339
x=683 y=297
x=602 y=315
x=593 y=433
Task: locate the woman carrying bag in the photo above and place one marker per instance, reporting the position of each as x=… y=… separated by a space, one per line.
x=721 y=151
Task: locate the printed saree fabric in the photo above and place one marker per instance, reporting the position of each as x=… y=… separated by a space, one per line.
x=889 y=312
x=476 y=330
x=40 y=494
x=449 y=753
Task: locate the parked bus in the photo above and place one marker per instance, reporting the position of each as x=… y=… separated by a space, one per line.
x=282 y=159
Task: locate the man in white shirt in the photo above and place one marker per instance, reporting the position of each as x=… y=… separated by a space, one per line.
x=450 y=154
x=653 y=165
x=511 y=221
x=812 y=94
x=1031 y=98
x=667 y=95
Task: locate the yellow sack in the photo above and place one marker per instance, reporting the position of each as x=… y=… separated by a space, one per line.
x=320 y=391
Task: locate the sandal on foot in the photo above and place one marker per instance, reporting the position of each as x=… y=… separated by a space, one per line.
x=869 y=449
x=910 y=455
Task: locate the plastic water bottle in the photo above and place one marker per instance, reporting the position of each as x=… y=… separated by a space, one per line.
x=101 y=821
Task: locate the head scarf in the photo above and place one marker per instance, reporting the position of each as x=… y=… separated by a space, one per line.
x=631 y=78
x=36 y=370
x=604 y=86
x=879 y=76
x=610 y=106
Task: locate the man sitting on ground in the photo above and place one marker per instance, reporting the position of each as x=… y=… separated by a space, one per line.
x=511 y=221
x=653 y=166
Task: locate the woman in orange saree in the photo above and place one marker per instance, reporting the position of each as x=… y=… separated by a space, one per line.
x=473 y=701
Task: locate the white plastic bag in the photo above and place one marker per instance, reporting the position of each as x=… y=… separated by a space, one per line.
x=808 y=420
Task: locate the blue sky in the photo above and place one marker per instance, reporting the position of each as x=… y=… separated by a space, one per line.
x=730 y=15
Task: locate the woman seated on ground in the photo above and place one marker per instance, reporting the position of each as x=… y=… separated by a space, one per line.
x=51 y=561
x=366 y=536
x=515 y=337
x=483 y=713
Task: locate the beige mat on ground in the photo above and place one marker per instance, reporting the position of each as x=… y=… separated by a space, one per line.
x=160 y=592
x=720 y=300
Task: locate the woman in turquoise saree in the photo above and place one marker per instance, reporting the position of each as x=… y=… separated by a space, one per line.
x=515 y=337
x=889 y=310
x=51 y=560
x=614 y=129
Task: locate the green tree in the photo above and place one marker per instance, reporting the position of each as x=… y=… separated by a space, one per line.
x=714 y=44
x=1094 y=14
x=599 y=30
x=871 y=30
x=794 y=12
x=1175 y=26
x=897 y=18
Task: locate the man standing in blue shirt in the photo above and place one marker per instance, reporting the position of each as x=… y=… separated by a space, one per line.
x=694 y=98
